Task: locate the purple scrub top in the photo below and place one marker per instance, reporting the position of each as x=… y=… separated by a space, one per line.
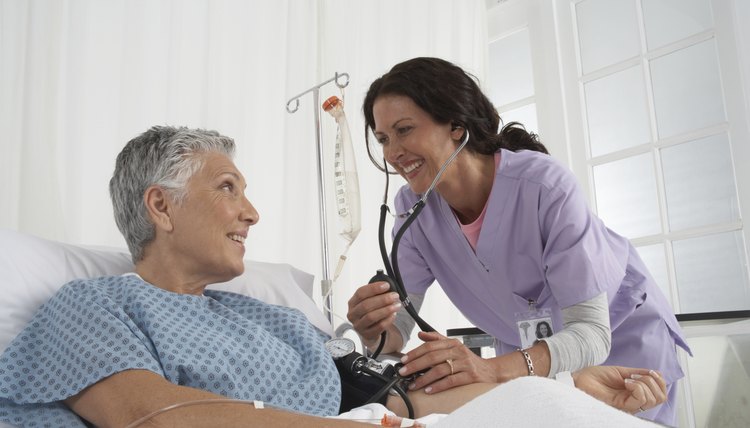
x=539 y=241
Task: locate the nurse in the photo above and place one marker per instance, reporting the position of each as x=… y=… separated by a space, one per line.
x=509 y=237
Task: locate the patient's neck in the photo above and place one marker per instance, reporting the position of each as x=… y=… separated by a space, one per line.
x=163 y=273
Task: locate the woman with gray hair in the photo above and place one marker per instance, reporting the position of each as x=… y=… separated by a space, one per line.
x=155 y=346
x=115 y=349
x=164 y=157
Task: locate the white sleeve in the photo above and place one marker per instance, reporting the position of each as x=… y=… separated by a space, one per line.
x=585 y=339
x=404 y=322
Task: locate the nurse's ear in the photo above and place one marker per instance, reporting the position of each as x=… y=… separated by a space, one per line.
x=457 y=131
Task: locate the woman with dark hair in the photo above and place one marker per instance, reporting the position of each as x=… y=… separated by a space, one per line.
x=507 y=234
x=543 y=330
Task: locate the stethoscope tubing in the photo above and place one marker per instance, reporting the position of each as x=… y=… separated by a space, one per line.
x=391 y=264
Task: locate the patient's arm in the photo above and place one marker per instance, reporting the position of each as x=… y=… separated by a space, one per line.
x=629 y=389
x=439 y=402
x=125 y=397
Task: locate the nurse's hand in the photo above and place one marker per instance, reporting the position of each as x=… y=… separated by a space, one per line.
x=450 y=364
x=372 y=310
x=628 y=389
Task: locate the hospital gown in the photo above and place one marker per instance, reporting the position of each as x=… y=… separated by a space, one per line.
x=221 y=342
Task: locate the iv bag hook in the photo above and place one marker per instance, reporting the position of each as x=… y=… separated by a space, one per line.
x=335 y=78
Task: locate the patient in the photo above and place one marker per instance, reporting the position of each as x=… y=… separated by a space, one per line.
x=112 y=350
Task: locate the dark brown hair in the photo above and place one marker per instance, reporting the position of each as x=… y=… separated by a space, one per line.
x=450 y=95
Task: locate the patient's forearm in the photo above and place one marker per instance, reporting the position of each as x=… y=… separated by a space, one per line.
x=241 y=415
x=442 y=402
x=126 y=397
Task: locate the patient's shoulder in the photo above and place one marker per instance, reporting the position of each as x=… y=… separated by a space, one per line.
x=252 y=307
x=103 y=286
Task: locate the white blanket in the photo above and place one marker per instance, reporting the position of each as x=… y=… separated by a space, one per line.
x=524 y=402
x=539 y=402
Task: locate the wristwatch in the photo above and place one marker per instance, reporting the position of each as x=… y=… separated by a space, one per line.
x=340 y=347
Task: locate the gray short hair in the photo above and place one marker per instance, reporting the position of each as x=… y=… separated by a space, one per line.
x=164 y=156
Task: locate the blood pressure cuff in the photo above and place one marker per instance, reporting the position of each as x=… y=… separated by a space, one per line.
x=358 y=387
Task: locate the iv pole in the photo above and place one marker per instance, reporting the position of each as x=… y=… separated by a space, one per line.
x=325 y=283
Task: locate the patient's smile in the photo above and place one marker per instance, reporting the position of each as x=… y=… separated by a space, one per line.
x=238 y=238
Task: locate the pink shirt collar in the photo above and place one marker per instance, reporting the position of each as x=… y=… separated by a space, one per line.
x=471 y=230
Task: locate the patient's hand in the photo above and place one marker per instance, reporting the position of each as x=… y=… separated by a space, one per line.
x=628 y=389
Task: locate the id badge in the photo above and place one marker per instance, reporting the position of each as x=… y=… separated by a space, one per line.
x=533 y=324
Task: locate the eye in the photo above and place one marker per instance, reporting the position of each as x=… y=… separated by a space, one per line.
x=403 y=130
x=229 y=187
x=382 y=140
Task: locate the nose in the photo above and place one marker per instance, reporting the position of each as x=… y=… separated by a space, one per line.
x=248 y=213
x=392 y=151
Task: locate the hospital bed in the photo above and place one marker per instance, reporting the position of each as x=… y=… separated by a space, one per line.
x=32 y=269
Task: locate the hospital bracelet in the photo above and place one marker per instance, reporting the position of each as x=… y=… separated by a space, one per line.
x=529 y=363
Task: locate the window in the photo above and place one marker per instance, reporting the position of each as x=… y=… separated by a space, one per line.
x=654 y=75
x=644 y=100
x=511 y=81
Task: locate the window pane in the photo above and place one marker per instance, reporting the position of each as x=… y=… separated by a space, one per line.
x=626 y=196
x=525 y=115
x=687 y=89
x=621 y=124
x=655 y=259
x=608 y=32
x=511 y=78
x=699 y=199
x=711 y=275
x=719 y=381
x=668 y=21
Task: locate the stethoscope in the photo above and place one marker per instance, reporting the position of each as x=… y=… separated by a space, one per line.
x=393 y=275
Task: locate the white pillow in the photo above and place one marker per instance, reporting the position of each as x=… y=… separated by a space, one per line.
x=32 y=269
x=279 y=284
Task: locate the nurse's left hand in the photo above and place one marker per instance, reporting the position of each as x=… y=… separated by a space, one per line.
x=450 y=364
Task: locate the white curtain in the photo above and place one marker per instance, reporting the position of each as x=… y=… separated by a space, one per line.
x=79 y=78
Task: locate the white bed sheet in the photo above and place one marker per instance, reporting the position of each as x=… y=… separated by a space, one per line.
x=539 y=402
x=524 y=402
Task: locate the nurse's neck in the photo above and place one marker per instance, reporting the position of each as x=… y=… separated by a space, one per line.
x=469 y=188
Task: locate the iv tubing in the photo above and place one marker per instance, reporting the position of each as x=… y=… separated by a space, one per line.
x=257 y=404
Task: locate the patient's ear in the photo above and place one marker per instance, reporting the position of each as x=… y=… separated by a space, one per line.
x=158 y=206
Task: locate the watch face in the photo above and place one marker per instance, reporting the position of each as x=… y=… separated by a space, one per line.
x=340 y=347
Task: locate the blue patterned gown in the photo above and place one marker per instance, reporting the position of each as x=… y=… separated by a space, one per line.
x=221 y=342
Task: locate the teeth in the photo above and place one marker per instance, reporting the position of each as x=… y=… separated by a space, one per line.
x=238 y=238
x=412 y=167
